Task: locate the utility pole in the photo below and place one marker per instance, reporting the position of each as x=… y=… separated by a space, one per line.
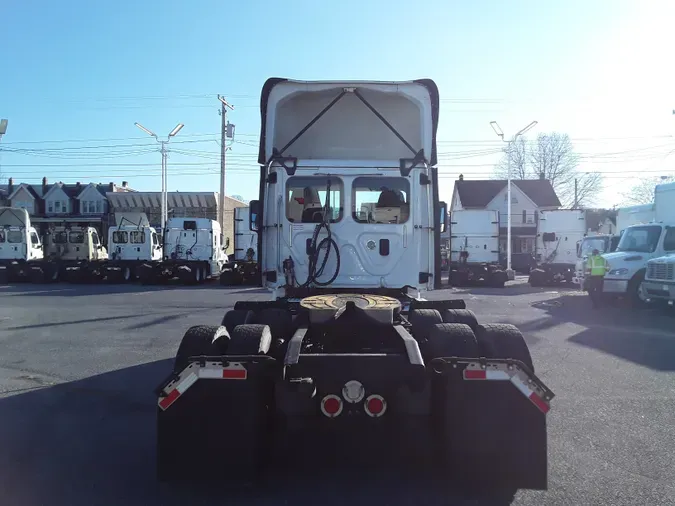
x=225 y=133
x=576 y=193
x=509 y=144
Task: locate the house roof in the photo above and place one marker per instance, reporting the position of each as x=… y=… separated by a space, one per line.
x=36 y=193
x=478 y=194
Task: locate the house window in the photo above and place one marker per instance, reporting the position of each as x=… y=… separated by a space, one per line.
x=514 y=199
x=25 y=204
x=57 y=206
x=92 y=206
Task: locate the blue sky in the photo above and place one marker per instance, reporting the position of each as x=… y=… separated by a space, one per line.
x=80 y=73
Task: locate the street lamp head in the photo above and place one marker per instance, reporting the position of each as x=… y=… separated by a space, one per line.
x=3 y=126
x=146 y=130
x=527 y=128
x=496 y=128
x=176 y=129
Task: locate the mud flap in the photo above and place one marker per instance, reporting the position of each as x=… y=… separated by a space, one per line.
x=215 y=429
x=494 y=436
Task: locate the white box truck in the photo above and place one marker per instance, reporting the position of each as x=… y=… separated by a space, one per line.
x=638 y=245
x=474 y=248
x=659 y=283
x=558 y=234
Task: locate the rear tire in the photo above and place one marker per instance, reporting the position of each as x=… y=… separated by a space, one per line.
x=501 y=340
x=236 y=317
x=250 y=339
x=537 y=277
x=451 y=340
x=465 y=316
x=201 y=340
x=421 y=321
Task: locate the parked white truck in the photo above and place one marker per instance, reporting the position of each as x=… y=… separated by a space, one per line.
x=604 y=243
x=474 y=248
x=192 y=252
x=242 y=267
x=659 y=283
x=130 y=246
x=68 y=252
x=638 y=245
x=20 y=245
x=559 y=232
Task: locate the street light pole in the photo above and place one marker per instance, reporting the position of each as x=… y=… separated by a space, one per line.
x=509 y=144
x=164 y=199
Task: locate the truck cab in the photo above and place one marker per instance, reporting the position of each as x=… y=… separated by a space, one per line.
x=348 y=195
x=19 y=243
x=132 y=243
x=604 y=243
x=73 y=244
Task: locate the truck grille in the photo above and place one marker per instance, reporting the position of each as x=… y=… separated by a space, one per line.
x=661 y=271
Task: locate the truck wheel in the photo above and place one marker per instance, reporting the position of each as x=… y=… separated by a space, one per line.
x=451 y=340
x=280 y=323
x=465 y=316
x=421 y=321
x=250 y=339
x=501 y=340
x=236 y=317
x=226 y=278
x=498 y=279
x=38 y=275
x=636 y=293
x=537 y=277
x=201 y=340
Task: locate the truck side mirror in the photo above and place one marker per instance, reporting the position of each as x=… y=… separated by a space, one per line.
x=227 y=242
x=443 y=209
x=578 y=248
x=253 y=215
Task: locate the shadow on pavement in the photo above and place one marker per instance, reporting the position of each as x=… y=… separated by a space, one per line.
x=651 y=344
x=88 y=290
x=92 y=441
x=511 y=289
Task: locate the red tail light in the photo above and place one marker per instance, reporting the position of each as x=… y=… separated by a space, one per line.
x=375 y=405
x=331 y=406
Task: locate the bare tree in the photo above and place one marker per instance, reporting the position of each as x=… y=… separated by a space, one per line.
x=642 y=192
x=519 y=155
x=553 y=157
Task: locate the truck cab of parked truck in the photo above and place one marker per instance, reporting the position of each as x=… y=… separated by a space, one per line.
x=19 y=244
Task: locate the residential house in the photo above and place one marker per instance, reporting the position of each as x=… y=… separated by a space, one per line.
x=59 y=203
x=601 y=221
x=528 y=198
x=131 y=207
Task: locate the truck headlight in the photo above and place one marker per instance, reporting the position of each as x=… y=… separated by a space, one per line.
x=618 y=272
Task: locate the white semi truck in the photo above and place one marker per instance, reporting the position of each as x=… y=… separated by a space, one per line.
x=474 y=248
x=130 y=246
x=348 y=353
x=193 y=251
x=20 y=246
x=68 y=252
x=242 y=267
x=558 y=234
x=638 y=245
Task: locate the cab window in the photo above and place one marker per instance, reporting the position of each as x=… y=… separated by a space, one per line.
x=76 y=237
x=94 y=239
x=381 y=200
x=120 y=237
x=2 y=236
x=14 y=237
x=34 y=239
x=669 y=240
x=60 y=238
x=306 y=199
x=137 y=237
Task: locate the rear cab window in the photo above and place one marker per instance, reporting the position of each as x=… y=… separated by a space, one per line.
x=76 y=237
x=120 y=237
x=14 y=237
x=306 y=199
x=381 y=200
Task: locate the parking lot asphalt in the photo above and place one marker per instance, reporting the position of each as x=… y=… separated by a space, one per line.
x=79 y=364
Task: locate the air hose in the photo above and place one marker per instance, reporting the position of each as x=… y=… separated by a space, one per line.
x=328 y=243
